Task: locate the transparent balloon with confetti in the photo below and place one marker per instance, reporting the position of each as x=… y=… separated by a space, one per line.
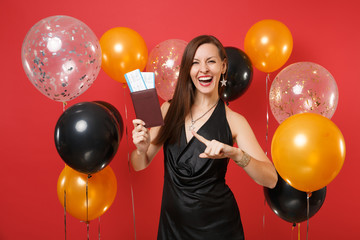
x=61 y=56
x=303 y=87
x=164 y=60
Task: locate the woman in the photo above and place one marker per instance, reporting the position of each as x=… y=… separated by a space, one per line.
x=197 y=139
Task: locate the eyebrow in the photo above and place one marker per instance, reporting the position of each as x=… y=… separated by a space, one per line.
x=206 y=59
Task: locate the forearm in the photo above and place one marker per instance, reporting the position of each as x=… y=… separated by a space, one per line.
x=262 y=172
x=139 y=161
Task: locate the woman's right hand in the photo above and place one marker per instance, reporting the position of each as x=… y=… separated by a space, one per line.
x=141 y=136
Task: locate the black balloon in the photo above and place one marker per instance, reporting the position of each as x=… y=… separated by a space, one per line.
x=239 y=76
x=290 y=204
x=87 y=137
x=116 y=114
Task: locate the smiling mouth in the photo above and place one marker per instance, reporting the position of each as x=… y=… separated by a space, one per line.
x=205 y=80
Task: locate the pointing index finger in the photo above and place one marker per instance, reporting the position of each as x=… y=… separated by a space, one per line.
x=200 y=138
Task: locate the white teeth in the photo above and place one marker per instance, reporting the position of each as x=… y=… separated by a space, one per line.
x=205 y=78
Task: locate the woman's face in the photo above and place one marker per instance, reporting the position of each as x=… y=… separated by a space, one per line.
x=207 y=68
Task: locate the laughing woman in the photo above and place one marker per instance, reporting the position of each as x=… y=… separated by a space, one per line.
x=197 y=139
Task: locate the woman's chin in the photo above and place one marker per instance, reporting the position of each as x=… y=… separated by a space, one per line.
x=207 y=88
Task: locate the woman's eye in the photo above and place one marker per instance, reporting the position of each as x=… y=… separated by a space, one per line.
x=212 y=61
x=195 y=63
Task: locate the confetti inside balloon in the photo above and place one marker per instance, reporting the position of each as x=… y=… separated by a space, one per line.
x=164 y=61
x=61 y=57
x=303 y=87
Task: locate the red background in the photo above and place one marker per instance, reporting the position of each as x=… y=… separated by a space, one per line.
x=324 y=32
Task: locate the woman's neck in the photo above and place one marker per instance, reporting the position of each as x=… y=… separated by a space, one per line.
x=205 y=100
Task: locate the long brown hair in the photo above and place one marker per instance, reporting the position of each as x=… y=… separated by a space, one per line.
x=184 y=94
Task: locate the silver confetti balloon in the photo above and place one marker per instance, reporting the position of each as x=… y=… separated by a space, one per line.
x=164 y=60
x=61 y=56
x=303 y=87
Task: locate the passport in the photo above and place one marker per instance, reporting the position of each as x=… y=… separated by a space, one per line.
x=147 y=107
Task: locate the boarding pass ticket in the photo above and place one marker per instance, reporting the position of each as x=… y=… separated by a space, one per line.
x=139 y=81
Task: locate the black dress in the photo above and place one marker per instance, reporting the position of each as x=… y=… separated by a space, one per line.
x=196 y=201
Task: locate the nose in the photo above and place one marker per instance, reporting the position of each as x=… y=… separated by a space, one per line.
x=203 y=67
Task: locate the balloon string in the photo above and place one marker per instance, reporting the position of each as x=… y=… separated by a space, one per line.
x=266 y=137
x=99 y=227
x=65 y=197
x=64 y=106
x=298 y=231
x=133 y=208
x=267 y=112
x=65 y=211
x=308 y=195
x=87 y=206
x=264 y=218
x=88 y=230
x=128 y=156
x=292 y=230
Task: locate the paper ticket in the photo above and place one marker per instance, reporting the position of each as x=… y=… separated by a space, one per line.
x=135 y=81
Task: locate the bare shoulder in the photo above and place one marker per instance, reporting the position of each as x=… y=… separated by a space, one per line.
x=237 y=122
x=164 y=108
x=233 y=116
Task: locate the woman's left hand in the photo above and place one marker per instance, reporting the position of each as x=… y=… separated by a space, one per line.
x=214 y=149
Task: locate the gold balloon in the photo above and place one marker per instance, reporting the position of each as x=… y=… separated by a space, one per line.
x=123 y=50
x=268 y=43
x=308 y=151
x=102 y=188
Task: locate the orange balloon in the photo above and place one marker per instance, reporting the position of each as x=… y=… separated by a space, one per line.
x=123 y=50
x=268 y=44
x=102 y=188
x=308 y=151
